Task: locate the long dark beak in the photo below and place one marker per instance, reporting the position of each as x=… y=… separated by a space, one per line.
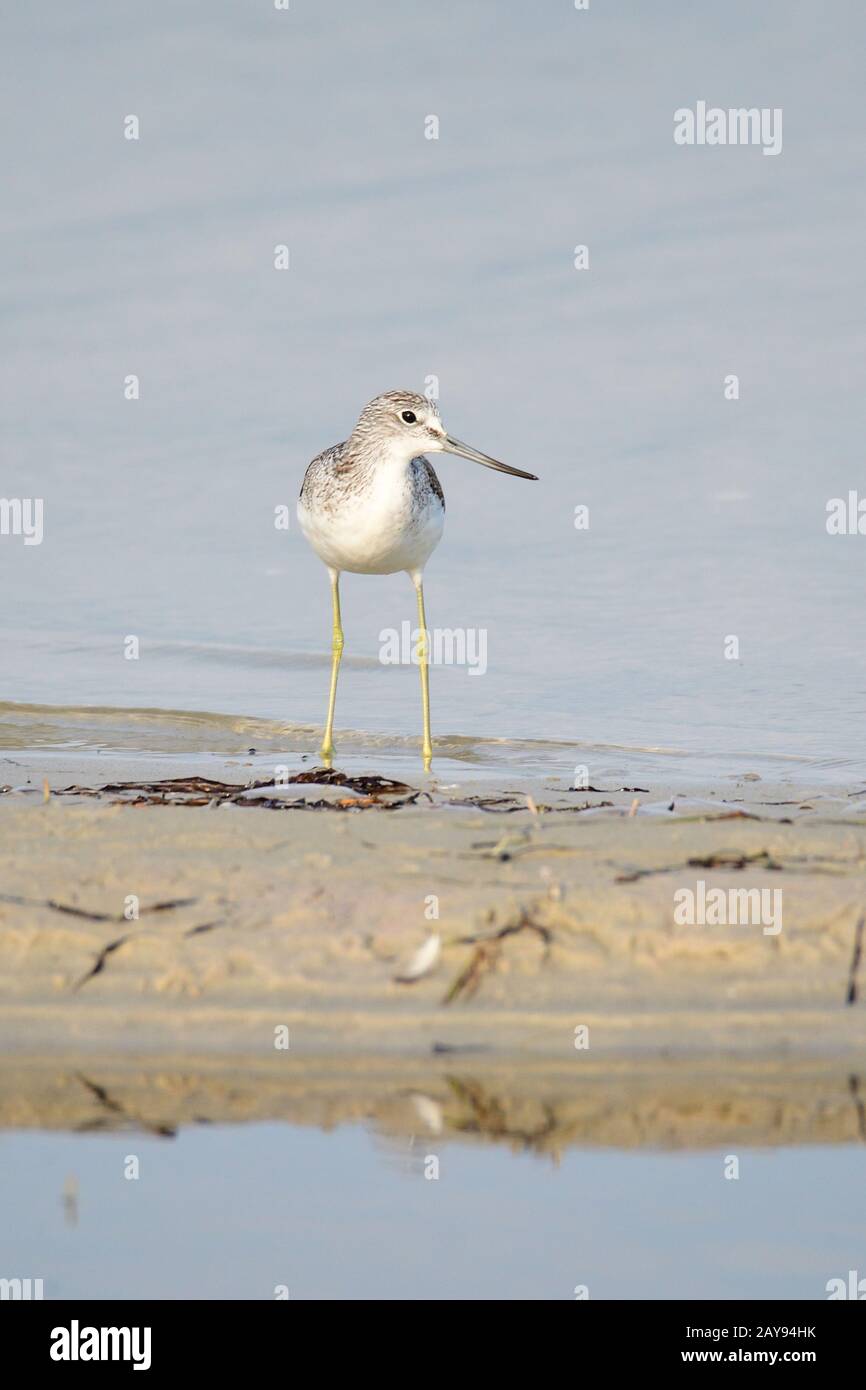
x=456 y=446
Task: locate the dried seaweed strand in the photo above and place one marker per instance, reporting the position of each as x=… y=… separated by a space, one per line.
x=852 y=994
x=486 y=953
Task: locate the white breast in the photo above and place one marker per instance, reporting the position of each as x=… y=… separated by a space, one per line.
x=386 y=527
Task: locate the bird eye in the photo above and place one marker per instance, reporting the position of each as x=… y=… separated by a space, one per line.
x=409 y=416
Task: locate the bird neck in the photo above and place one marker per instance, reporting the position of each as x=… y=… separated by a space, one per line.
x=384 y=455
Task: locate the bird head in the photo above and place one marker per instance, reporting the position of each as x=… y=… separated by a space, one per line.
x=408 y=424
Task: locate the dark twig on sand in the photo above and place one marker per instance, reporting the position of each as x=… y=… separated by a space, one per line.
x=487 y=951
x=99 y=964
x=71 y=911
x=852 y=993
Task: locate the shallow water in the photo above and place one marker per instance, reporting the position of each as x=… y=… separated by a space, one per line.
x=453 y=258
x=459 y=1176
x=96 y=744
x=347 y=1216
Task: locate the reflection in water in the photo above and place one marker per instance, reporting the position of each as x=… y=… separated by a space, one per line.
x=70 y=1200
x=532 y=1107
x=246 y=1186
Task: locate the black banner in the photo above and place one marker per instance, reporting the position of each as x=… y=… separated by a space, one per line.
x=66 y=1338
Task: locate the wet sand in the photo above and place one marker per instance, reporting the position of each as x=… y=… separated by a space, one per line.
x=556 y=915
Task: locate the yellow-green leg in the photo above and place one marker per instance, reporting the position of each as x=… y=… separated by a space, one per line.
x=327 y=749
x=423 y=653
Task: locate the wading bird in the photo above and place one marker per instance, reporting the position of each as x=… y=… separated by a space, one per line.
x=373 y=505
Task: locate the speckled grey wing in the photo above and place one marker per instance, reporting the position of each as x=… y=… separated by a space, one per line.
x=428 y=473
x=321 y=472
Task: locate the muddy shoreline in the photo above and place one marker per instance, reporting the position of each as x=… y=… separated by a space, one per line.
x=128 y=927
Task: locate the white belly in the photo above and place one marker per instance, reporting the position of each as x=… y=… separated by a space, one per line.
x=378 y=531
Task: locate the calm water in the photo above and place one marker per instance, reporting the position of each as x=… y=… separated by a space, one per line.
x=234 y=1212
x=411 y=258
